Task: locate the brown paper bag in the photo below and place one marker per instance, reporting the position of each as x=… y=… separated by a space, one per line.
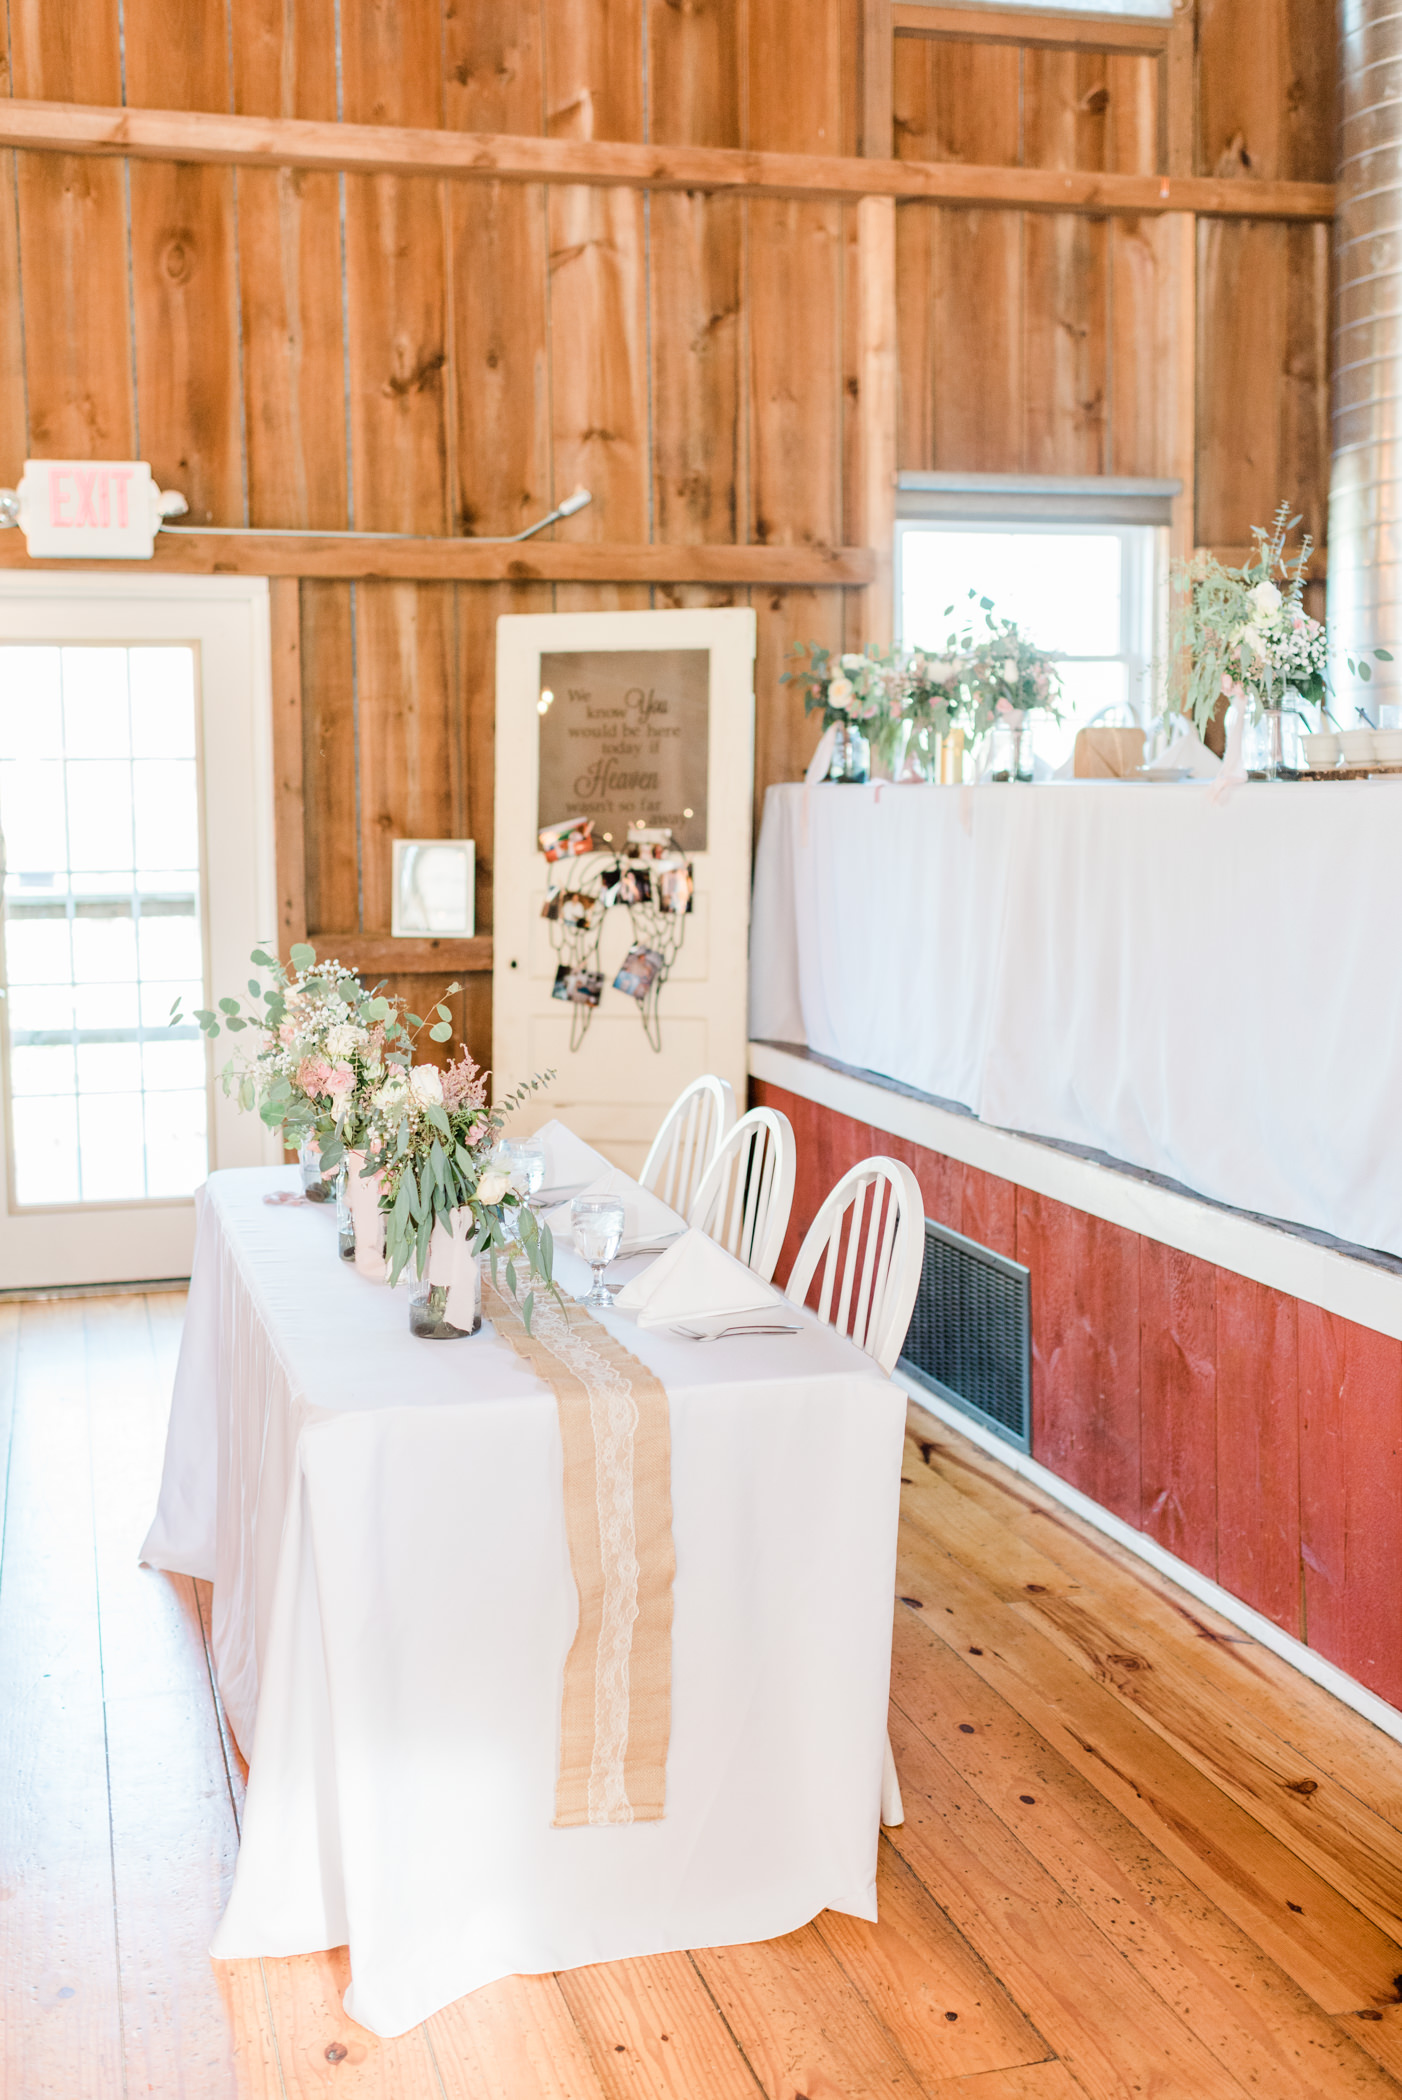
x=1108 y=754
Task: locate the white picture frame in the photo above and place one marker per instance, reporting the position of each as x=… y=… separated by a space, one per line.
x=433 y=889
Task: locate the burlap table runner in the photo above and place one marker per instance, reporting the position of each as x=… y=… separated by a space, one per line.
x=615 y=1719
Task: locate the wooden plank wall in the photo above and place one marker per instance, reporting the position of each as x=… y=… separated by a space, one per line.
x=1254 y=1436
x=306 y=349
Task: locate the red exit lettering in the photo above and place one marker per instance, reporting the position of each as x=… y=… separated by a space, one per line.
x=99 y=492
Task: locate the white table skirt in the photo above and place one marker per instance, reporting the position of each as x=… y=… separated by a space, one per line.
x=1206 y=990
x=382 y=1520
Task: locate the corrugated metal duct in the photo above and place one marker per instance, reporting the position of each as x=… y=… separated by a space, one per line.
x=1365 y=491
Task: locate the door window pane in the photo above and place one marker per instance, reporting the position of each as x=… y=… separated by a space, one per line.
x=99 y=807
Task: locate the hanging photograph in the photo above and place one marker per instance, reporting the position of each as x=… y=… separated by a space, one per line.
x=638 y=972
x=625 y=740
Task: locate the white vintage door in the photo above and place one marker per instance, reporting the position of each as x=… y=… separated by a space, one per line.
x=136 y=818
x=614 y=1088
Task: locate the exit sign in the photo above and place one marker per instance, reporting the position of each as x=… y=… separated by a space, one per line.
x=89 y=507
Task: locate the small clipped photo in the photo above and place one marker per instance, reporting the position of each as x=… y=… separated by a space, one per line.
x=577 y=908
x=639 y=972
x=579 y=987
x=609 y=883
x=635 y=886
x=674 y=889
x=560 y=841
x=554 y=904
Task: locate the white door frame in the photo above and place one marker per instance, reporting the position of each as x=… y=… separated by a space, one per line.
x=226 y=619
x=704 y=1001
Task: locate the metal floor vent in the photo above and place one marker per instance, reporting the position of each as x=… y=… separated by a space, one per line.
x=970 y=1336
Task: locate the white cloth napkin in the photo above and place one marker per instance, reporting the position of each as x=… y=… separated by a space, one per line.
x=1190 y=752
x=696 y=1280
x=822 y=758
x=645 y=1217
x=569 y=1162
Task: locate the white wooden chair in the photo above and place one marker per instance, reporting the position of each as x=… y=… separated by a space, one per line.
x=691 y=1135
x=747 y=1193
x=872 y=1254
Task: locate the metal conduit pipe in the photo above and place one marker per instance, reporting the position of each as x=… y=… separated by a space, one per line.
x=1365 y=488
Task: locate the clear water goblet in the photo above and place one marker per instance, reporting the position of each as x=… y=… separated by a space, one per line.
x=598 y=1234
x=524 y=1161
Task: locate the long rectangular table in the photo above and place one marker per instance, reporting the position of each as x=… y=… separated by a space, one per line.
x=1204 y=989
x=382 y=1521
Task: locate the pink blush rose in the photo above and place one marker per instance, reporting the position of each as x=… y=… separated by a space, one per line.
x=314 y=1075
x=340 y=1080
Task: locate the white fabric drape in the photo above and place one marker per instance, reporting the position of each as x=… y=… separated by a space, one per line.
x=382 y=1519
x=1201 y=989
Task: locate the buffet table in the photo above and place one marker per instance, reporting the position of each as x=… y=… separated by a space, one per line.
x=1204 y=989
x=383 y=1523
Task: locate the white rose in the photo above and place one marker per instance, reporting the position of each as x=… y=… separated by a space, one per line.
x=346 y=1039
x=394 y=1092
x=840 y=694
x=851 y=661
x=426 y=1085
x=492 y=1187
x=1255 y=641
x=1266 y=599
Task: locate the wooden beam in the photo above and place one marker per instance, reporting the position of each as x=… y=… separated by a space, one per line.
x=390 y=955
x=877 y=136
x=289 y=806
x=1178 y=70
x=983 y=25
x=268 y=142
x=463 y=561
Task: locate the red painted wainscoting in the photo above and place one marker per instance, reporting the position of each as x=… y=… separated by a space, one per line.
x=1256 y=1437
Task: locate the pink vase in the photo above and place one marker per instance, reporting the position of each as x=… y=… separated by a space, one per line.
x=363 y=1197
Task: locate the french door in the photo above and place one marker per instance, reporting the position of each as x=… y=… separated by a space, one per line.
x=136 y=827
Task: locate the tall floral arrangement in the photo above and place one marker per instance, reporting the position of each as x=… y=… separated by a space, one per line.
x=865 y=690
x=1243 y=634
x=1002 y=674
x=430 y=1137
x=318 y=1046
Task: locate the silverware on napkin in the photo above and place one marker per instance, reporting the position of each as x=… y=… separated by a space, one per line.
x=719 y=1334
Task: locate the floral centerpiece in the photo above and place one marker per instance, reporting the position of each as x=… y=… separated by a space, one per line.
x=864 y=692
x=1238 y=635
x=330 y=1063
x=430 y=1136
x=1003 y=674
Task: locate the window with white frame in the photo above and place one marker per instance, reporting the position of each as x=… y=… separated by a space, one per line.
x=1088 y=588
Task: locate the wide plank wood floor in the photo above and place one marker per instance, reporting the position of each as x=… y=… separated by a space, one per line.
x=1141 y=1857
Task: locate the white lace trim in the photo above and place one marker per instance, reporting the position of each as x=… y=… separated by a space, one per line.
x=613 y=1415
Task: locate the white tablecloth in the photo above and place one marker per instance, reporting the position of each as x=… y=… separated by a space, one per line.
x=1208 y=990
x=382 y=1521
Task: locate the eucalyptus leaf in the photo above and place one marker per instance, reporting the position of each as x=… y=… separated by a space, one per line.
x=263 y=959
x=414 y=1020
x=440 y=1032
x=228 y=1006
x=301 y=955
x=444 y=1014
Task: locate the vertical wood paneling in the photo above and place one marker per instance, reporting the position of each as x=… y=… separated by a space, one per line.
x=1178 y=1403
x=1268 y=88
x=796 y=290
x=14 y=436
x=290 y=274
x=500 y=358
x=1085 y=1348
x=289 y=795
x=478 y=607
x=1351 y=1496
x=959 y=273
x=329 y=759
x=988 y=1206
x=411 y=729
x=1258 y=1448
x=184 y=280
x=785 y=738
x=1065 y=261
x=72 y=240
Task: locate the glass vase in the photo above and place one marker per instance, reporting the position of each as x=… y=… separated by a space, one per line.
x=428 y=1310
x=315 y=1185
x=345 y=1221
x=851 y=757
x=921 y=761
x=1012 y=751
x=1270 y=746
